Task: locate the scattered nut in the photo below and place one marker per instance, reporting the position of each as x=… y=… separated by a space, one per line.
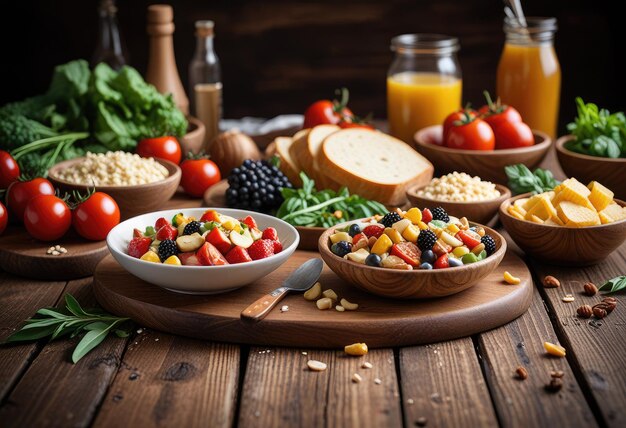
x=584 y=311
x=510 y=279
x=366 y=365
x=357 y=349
x=330 y=294
x=599 y=312
x=465 y=223
x=590 y=288
x=555 y=350
x=568 y=298
x=349 y=306
x=56 y=253
x=410 y=401
x=557 y=373
x=57 y=250
x=356 y=378
x=521 y=372
x=610 y=302
x=378 y=381
x=480 y=231
x=324 y=303
x=551 y=282
x=314 y=292
x=284 y=308
x=555 y=385
x=340 y=308
x=316 y=366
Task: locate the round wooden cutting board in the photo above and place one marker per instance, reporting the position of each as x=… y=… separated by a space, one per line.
x=379 y=322
x=22 y=255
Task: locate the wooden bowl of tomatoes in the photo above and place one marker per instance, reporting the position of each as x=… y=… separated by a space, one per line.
x=131 y=200
x=479 y=158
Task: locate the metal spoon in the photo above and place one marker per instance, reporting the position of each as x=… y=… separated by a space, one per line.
x=301 y=279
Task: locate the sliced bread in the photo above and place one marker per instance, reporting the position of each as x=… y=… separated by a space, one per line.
x=373 y=165
x=309 y=157
x=287 y=165
x=299 y=140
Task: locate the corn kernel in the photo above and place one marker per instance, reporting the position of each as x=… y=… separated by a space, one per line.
x=356 y=349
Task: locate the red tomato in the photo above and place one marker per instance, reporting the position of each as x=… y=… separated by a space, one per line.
x=20 y=193
x=448 y=123
x=9 y=169
x=326 y=112
x=47 y=217
x=199 y=175
x=496 y=113
x=4 y=218
x=475 y=134
x=166 y=148
x=468 y=239
x=208 y=255
x=95 y=217
x=442 y=262
x=511 y=135
x=408 y=252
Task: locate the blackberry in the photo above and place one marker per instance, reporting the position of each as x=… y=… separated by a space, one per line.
x=440 y=214
x=256 y=185
x=390 y=218
x=426 y=239
x=167 y=248
x=191 y=227
x=490 y=244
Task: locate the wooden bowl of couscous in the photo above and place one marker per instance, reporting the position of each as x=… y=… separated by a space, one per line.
x=138 y=185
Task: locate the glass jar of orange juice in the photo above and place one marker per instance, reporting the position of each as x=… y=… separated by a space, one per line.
x=423 y=83
x=529 y=75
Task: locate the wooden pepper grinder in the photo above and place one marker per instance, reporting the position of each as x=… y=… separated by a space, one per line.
x=162 y=71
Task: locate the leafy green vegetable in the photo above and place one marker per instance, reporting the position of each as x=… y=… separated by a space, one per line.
x=73 y=320
x=522 y=180
x=308 y=207
x=597 y=132
x=616 y=284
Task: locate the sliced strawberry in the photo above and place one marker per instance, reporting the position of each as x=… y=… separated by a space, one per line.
x=208 y=255
x=427 y=216
x=238 y=255
x=189 y=259
x=356 y=238
x=261 y=249
x=160 y=223
x=408 y=252
x=442 y=262
x=278 y=247
x=249 y=221
x=219 y=240
x=137 y=233
x=137 y=247
x=468 y=239
x=374 y=230
x=167 y=232
x=210 y=215
x=270 y=233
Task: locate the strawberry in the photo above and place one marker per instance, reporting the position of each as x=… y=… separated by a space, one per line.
x=427 y=216
x=160 y=223
x=238 y=255
x=278 y=247
x=249 y=221
x=219 y=240
x=270 y=233
x=374 y=230
x=137 y=247
x=189 y=259
x=210 y=215
x=167 y=232
x=137 y=233
x=356 y=238
x=442 y=262
x=208 y=255
x=261 y=249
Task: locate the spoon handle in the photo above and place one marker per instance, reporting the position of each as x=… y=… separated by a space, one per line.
x=259 y=309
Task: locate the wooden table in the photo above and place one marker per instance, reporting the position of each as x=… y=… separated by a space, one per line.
x=156 y=379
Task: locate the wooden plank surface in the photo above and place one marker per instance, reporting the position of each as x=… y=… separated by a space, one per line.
x=279 y=389
x=166 y=380
x=442 y=385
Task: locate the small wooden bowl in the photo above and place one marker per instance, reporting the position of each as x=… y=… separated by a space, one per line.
x=193 y=140
x=561 y=245
x=132 y=200
x=415 y=283
x=609 y=172
x=479 y=211
x=488 y=165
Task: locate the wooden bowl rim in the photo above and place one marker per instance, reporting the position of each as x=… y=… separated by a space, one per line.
x=505 y=193
x=543 y=145
x=195 y=126
x=323 y=247
x=508 y=202
x=560 y=147
x=173 y=169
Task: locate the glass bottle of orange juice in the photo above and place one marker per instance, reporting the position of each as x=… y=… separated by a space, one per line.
x=423 y=83
x=529 y=74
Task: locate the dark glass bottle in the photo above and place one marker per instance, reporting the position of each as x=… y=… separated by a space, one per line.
x=110 y=46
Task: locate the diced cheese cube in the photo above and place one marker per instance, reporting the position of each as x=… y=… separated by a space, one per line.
x=393 y=234
x=358 y=256
x=542 y=209
x=574 y=215
x=515 y=213
x=612 y=213
x=382 y=245
x=600 y=196
x=573 y=191
x=410 y=233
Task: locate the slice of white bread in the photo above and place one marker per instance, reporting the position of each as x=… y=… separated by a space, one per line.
x=311 y=153
x=287 y=165
x=373 y=165
x=299 y=139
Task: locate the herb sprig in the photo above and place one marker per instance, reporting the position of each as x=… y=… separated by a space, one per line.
x=73 y=320
x=522 y=180
x=616 y=284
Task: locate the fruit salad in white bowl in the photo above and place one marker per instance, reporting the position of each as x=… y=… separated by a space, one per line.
x=202 y=250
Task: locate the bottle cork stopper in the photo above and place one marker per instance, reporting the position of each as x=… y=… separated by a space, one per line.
x=204 y=28
x=160 y=14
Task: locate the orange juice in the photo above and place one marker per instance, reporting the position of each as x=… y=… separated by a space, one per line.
x=416 y=100
x=529 y=79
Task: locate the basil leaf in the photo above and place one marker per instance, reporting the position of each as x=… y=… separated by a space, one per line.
x=89 y=341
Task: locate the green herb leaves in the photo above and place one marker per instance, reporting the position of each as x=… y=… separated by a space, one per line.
x=308 y=207
x=598 y=132
x=72 y=320
x=521 y=180
x=616 y=284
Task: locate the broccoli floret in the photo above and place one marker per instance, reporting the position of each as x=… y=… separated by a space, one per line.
x=17 y=130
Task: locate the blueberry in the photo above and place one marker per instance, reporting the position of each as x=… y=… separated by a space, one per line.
x=355 y=229
x=454 y=262
x=428 y=256
x=341 y=248
x=373 y=260
x=426 y=266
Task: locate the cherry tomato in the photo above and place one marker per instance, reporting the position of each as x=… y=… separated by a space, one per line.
x=20 y=193
x=326 y=112
x=199 y=175
x=448 y=123
x=474 y=134
x=497 y=113
x=345 y=124
x=511 y=135
x=166 y=148
x=4 y=218
x=95 y=217
x=47 y=217
x=9 y=169
x=442 y=262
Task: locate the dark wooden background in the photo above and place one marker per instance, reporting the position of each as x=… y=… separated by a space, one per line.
x=278 y=56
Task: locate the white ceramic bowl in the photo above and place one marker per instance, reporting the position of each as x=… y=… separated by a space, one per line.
x=200 y=279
